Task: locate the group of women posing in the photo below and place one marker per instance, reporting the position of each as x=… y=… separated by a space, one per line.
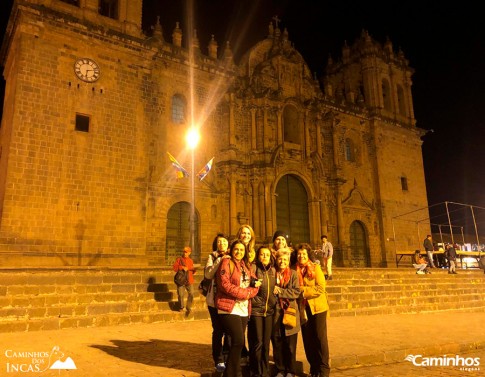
x=254 y=290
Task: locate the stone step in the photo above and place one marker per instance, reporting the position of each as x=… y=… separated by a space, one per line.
x=468 y=306
x=408 y=302
x=53 y=298
x=107 y=319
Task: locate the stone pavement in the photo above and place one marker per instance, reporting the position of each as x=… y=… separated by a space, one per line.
x=359 y=346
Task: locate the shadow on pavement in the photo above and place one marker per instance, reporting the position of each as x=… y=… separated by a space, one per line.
x=163 y=353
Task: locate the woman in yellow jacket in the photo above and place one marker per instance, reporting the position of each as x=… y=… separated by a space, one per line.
x=313 y=306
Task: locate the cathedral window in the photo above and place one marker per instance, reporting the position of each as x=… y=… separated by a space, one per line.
x=404 y=183
x=400 y=100
x=178 y=109
x=109 y=8
x=82 y=123
x=386 y=94
x=72 y=2
x=349 y=150
x=291 y=132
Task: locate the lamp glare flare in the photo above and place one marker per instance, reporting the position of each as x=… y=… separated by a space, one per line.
x=192 y=138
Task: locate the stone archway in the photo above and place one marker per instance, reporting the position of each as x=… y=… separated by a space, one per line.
x=359 y=245
x=292 y=209
x=178 y=232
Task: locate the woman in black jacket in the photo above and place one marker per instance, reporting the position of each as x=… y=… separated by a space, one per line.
x=263 y=306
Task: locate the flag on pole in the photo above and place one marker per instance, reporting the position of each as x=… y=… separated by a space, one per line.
x=181 y=172
x=205 y=170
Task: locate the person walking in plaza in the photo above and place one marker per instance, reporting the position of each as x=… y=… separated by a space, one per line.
x=186 y=264
x=233 y=302
x=314 y=305
x=450 y=254
x=428 y=246
x=285 y=336
x=220 y=251
x=327 y=251
x=262 y=310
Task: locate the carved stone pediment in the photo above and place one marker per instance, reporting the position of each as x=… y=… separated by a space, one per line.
x=357 y=200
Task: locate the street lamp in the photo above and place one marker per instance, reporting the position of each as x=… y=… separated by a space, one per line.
x=192 y=138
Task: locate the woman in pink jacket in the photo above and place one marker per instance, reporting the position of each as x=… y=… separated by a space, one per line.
x=235 y=288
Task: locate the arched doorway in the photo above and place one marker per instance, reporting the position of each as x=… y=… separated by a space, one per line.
x=359 y=250
x=292 y=209
x=178 y=232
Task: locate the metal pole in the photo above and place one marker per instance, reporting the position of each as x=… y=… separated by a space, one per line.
x=192 y=208
x=476 y=231
x=449 y=222
x=441 y=235
x=394 y=235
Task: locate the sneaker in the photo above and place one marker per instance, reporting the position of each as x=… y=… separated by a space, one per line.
x=187 y=313
x=449 y=272
x=455 y=273
x=220 y=368
x=280 y=374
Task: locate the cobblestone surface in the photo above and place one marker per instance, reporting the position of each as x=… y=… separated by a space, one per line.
x=183 y=348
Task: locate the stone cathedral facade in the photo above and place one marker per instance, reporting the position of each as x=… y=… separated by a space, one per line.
x=92 y=106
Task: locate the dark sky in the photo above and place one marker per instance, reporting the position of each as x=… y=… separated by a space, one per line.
x=443 y=43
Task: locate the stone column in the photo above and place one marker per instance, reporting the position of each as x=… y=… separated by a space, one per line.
x=253 y=129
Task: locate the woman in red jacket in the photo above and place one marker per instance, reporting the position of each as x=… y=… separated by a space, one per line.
x=233 y=301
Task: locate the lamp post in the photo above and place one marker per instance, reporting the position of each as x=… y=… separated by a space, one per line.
x=192 y=139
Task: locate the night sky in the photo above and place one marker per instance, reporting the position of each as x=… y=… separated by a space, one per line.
x=443 y=43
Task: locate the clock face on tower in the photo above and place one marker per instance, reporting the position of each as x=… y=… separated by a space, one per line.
x=86 y=69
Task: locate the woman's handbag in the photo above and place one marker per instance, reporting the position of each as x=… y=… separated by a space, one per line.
x=289 y=318
x=204 y=286
x=181 y=277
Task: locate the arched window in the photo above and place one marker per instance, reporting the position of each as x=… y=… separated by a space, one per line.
x=386 y=94
x=359 y=245
x=291 y=131
x=349 y=150
x=178 y=109
x=109 y=8
x=400 y=100
x=178 y=232
x=292 y=209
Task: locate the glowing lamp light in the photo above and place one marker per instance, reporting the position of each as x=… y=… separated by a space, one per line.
x=192 y=138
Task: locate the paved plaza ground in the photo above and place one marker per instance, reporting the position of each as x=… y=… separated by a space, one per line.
x=183 y=348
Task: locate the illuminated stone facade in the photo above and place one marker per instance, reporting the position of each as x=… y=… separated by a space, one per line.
x=84 y=173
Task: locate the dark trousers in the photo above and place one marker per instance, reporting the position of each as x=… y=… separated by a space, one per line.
x=314 y=334
x=259 y=335
x=181 y=295
x=217 y=335
x=234 y=326
x=284 y=348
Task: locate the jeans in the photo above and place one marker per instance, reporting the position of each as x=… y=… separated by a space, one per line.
x=430 y=258
x=181 y=294
x=217 y=336
x=259 y=335
x=234 y=326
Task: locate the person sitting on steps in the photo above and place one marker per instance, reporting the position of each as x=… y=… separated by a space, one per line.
x=420 y=264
